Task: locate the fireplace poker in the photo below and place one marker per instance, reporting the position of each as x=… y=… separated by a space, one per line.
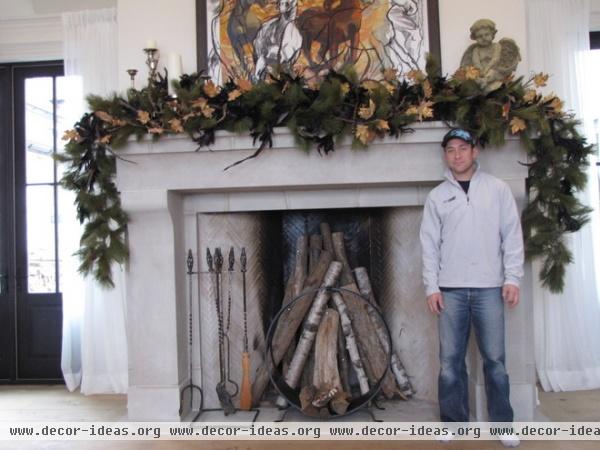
x=246 y=391
x=222 y=394
x=230 y=382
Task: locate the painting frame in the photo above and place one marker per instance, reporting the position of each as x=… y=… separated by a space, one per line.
x=202 y=35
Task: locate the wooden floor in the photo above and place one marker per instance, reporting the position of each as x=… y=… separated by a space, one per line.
x=54 y=403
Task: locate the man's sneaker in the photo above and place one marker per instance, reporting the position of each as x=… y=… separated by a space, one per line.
x=510 y=441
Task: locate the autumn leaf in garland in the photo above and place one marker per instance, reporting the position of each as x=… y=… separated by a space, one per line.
x=176 y=125
x=71 y=135
x=143 y=117
x=427 y=90
x=529 y=96
x=104 y=116
x=382 y=125
x=345 y=88
x=517 y=125
x=366 y=112
x=105 y=140
x=202 y=104
x=233 y=95
x=540 y=79
x=244 y=84
x=211 y=89
x=466 y=73
x=417 y=76
x=364 y=134
x=423 y=110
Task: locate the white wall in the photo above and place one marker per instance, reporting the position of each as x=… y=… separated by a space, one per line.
x=172 y=24
x=457 y=16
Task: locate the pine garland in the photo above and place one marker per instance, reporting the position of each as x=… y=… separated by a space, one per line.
x=318 y=114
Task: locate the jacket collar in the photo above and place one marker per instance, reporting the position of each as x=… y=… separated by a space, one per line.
x=450 y=176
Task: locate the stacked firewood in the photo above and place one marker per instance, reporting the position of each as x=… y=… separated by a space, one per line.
x=332 y=345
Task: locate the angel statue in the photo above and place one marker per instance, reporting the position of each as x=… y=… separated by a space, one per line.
x=495 y=60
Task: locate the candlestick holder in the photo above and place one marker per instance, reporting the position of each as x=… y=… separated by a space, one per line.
x=132 y=73
x=152 y=58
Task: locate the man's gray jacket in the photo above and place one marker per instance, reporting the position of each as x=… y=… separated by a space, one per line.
x=471 y=240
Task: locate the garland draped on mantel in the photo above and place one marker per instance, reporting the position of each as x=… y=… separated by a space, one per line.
x=318 y=113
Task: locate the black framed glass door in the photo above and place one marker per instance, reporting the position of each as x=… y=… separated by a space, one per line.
x=31 y=263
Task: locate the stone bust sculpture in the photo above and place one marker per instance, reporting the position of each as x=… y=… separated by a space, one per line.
x=495 y=60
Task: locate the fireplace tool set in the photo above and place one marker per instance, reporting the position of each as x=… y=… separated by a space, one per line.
x=226 y=388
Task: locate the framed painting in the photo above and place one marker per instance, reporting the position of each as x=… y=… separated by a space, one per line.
x=245 y=38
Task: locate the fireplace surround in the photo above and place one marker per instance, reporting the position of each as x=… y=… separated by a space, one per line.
x=170 y=189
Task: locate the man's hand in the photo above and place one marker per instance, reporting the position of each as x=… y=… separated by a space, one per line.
x=510 y=294
x=435 y=302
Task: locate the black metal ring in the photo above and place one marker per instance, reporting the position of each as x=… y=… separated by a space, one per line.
x=291 y=394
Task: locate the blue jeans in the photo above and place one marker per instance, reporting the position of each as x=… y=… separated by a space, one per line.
x=484 y=308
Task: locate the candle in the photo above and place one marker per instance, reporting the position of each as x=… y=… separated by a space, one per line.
x=175 y=70
x=151 y=43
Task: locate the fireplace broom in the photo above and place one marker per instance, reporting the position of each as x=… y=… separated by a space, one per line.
x=246 y=387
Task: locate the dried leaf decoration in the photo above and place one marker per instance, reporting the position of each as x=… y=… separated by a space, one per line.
x=156 y=130
x=364 y=134
x=472 y=73
x=366 y=112
x=104 y=116
x=244 y=84
x=205 y=108
x=105 y=139
x=517 y=125
x=540 y=79
x=427 y=90
x=423 y=110
x=382 y=125
x=211 y=89
x=233 y=95
x=345 y=88
x=416 y=75
x=71 y=135
x=143 y=116
x=529 y=95
x=176 y=125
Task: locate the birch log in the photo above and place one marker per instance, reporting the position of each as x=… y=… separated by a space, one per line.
x=339 y=254
x=326 y=375
x=288 y=324
x=351 y=343
x=400 y=374
x=375 y=358
x=343 y=360
x=311 y=325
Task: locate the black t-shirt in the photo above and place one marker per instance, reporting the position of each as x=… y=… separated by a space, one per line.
x=464 y=185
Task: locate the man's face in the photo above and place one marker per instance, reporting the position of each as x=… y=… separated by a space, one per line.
x=460 y=156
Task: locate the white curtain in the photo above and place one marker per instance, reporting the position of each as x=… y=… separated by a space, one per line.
x=567 y=326
x=94 y=334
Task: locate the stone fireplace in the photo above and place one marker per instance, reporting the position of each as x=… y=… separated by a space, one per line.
x=178 y=198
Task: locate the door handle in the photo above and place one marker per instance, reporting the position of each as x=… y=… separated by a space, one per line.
x=4 y=283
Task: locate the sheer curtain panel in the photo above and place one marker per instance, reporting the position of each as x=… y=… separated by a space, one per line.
x=567 y=331
x=94 y=334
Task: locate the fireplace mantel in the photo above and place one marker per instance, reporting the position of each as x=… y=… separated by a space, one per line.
x=164 y=184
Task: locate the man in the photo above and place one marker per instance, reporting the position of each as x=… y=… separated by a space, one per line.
x=472 y=247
